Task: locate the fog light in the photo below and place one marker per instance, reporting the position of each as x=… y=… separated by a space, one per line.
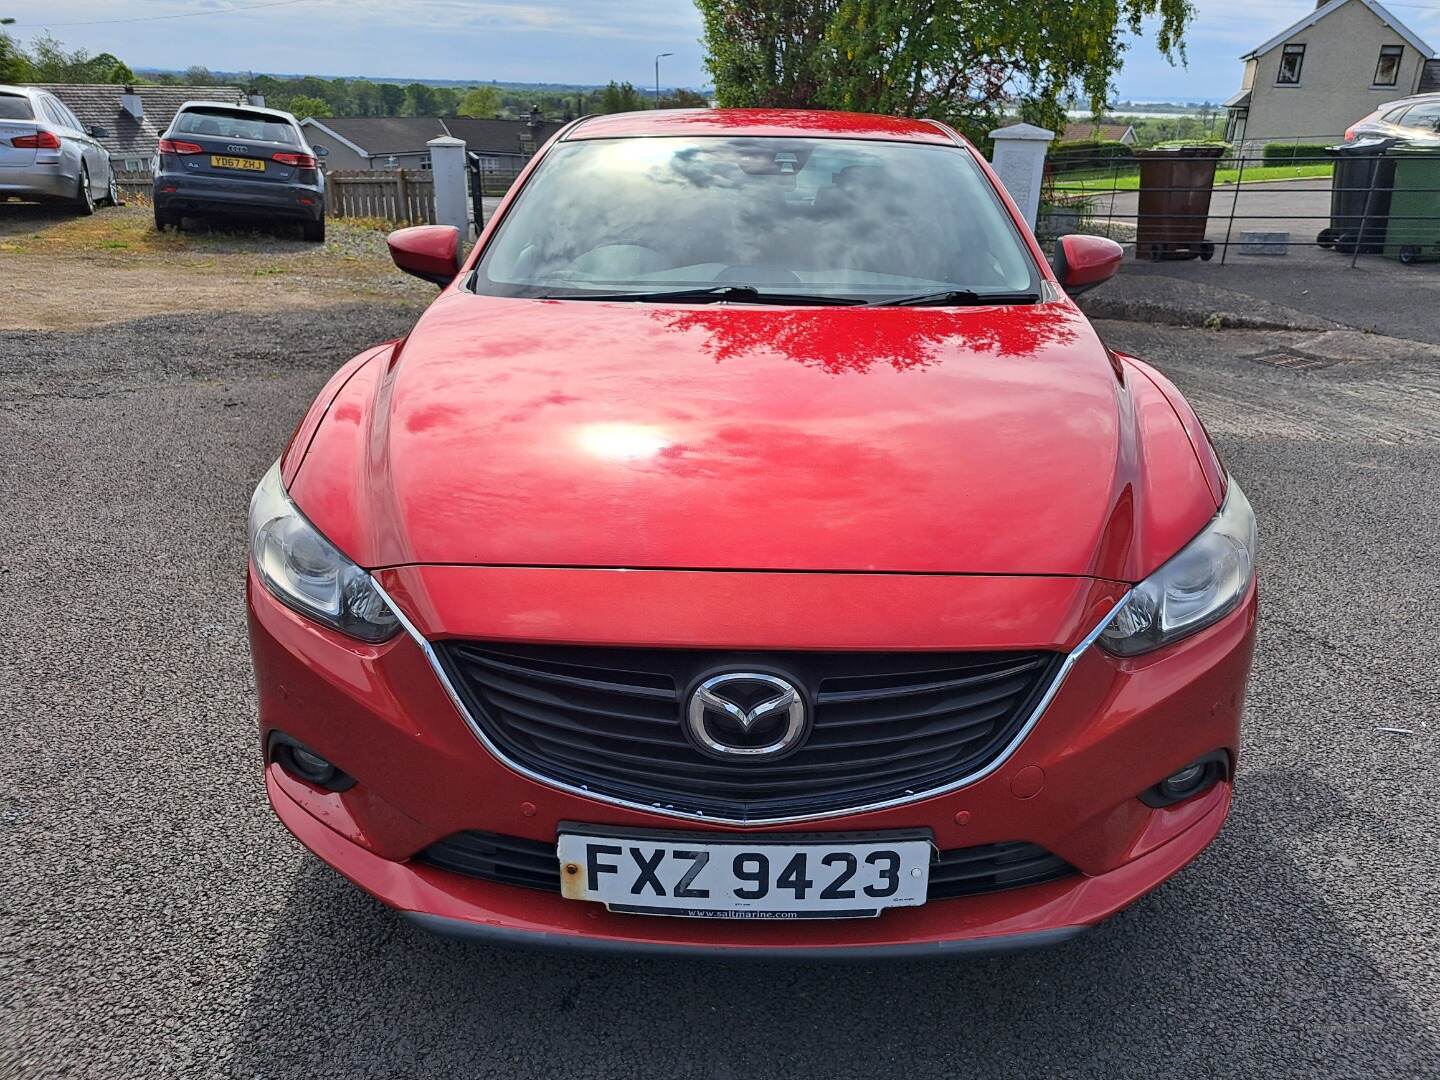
x=314 y=767
x=305 y=764
x=1200 y=775
x=1185 y=782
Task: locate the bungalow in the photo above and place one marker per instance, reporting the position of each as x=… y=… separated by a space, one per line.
x=399 y=142
x=1313 y=80
x=134 y=117
x=1085 y=130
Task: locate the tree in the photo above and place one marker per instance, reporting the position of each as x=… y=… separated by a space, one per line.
x=957 y=60
x=419 y=100
x=392 y=99
x=364 y=98
x=119 y=72
x=482 y=101
x=49 y=61
x=684 y=99
x=303 y=106
x=447 y=101
x=619 y=97
x=198 y=75
x=14 y=64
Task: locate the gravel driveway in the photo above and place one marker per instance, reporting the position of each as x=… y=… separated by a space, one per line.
x=159 y=922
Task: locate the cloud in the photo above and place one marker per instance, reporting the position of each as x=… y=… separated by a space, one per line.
x=578 y=41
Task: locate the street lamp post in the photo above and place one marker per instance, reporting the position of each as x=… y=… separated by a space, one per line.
x=658 y=58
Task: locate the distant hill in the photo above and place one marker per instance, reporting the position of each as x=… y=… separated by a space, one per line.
x=405 y=80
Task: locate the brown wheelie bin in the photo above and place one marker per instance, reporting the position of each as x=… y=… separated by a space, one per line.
x=1175 y=187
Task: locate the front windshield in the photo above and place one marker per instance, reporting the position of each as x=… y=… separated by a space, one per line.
x=847 y=219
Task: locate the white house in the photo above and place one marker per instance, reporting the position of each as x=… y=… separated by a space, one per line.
x=1313 y=80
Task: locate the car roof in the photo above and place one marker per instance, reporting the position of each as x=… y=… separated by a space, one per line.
x=230 y=106
x=1413 y=99
x=22 y=91
x=759 y=122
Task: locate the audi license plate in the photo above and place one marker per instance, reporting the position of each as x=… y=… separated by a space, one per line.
x=252 y=164
x=837 y=876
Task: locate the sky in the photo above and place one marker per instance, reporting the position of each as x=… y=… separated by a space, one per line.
x=570 y=41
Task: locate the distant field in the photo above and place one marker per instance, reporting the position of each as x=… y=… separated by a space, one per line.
x=1129 y=179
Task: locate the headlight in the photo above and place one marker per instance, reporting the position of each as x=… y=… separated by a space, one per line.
x=1199 y=586
x=308 y=573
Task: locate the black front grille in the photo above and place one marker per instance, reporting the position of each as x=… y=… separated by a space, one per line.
x=886 y=725
x=971 y=871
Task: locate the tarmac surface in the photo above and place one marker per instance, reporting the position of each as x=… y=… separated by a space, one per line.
x=158 y=922
x=1318 y=287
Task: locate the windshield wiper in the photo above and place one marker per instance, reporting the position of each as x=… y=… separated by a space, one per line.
x=956 y=298
x=713 y=294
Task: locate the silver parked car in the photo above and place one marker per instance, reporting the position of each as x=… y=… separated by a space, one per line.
x=1413 y=119
x=46 y=153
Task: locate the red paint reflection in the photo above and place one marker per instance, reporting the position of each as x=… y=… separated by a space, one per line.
x=853 y=342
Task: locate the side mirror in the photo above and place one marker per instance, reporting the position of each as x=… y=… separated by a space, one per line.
x=95 y=131
x=321 y=151
x=1083 y=262
x=430 y=252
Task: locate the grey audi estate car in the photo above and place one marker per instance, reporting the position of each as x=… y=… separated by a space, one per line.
x=238 y=160
x=47 y=153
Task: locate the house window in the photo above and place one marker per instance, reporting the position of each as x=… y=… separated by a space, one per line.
x=1235 y=125
x=1387 y=71
x=1291 y=61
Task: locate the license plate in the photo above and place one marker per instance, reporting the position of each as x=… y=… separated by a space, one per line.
x=253 y=164
x=781 y=877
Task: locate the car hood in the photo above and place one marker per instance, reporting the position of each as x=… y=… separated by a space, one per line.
x=588 y=434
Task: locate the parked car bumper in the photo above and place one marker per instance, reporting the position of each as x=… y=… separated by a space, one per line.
x=201 y=195
x=39 y=181
x=1113 y=730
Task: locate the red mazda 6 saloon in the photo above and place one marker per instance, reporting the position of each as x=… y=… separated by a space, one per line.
x=752 y=549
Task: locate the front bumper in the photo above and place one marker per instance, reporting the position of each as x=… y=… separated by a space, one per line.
x=1113 y=729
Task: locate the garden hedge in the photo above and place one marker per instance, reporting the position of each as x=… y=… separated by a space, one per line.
x=1086 y=154
x=1285 y=153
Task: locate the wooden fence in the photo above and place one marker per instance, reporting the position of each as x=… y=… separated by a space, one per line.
x=493 y=182
x=402 y=197
x=134 y=187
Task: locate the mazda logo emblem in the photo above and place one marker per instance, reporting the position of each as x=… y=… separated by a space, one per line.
x=746 y=714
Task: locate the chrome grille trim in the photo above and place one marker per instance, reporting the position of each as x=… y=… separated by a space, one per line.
x=755 y=822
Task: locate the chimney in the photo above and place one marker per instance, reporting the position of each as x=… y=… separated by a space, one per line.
x=131 y=103
x=534 y=120
x=258 y=100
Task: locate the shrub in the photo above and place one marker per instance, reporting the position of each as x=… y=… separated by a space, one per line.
x=1085 y=154
x=1284 y=153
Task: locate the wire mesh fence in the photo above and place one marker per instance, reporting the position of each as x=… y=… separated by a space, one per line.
x=1203 y=201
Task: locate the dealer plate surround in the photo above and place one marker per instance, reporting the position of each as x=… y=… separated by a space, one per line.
x=723 y=876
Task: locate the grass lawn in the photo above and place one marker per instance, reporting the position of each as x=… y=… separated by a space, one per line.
x=1081 y=183
x=114 y=267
